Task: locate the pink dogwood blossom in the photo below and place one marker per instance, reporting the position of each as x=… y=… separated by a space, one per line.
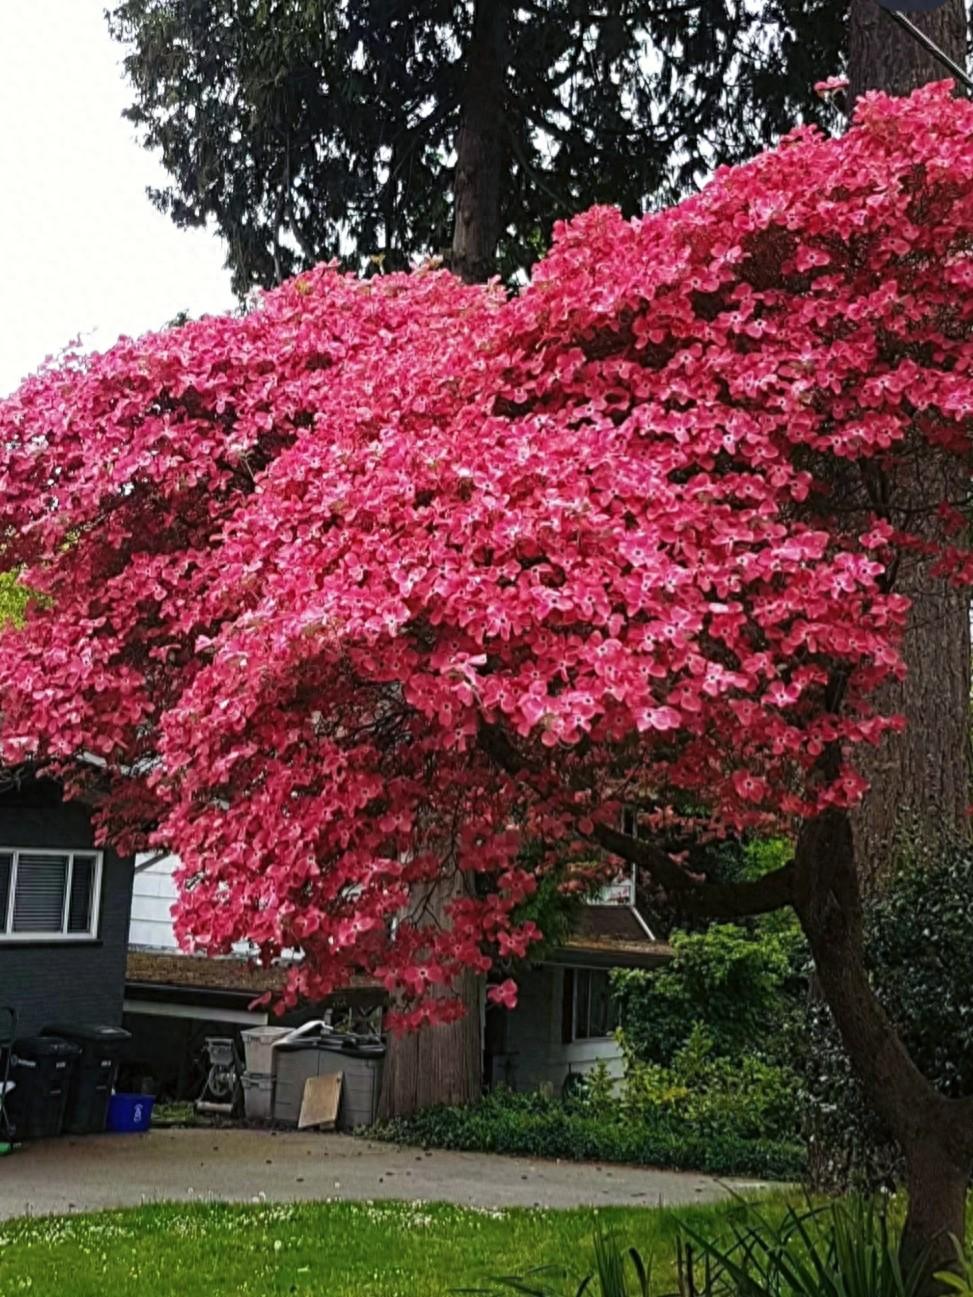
x=360 y=591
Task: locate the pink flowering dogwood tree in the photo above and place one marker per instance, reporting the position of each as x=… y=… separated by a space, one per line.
x=354 y=594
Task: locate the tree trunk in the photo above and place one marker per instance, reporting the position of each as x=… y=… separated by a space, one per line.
x=920 y=779
x=936 y=1181
x=445 y=1064
x=881 y=56
x=479 y=147
x=923 y=772
x=442 y=1064
x=935 y=1133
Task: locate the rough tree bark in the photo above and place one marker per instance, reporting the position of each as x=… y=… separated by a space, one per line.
x=881 y=56
x=923 y=772
x=442 y=1064
x=479 y=146
x=445 y=1064
x=934 y=1133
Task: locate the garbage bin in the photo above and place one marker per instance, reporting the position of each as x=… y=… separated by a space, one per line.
x=94 y=1076
x=258 y=1048
x=41 y=1068
x=360 y=1062
x=130 y=1113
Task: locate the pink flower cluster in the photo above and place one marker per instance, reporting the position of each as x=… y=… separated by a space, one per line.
x=360 y=591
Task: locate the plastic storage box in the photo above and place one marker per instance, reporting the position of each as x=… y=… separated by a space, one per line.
x=360 y=1064
x=258 y=1048
x=258 y=1096
x=130 y=1113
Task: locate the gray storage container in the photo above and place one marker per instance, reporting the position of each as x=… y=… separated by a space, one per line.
x=359 y=1062
x=258 y=1096
x=258 y=1048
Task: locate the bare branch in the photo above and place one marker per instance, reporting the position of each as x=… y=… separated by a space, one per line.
x=775 y=891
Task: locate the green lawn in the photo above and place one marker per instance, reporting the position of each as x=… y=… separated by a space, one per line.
x=384 y=1249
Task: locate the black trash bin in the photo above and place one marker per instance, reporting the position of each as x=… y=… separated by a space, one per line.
x=94 y=1077
x=41 y=1069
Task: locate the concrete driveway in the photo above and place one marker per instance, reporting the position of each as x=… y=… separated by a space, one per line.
x=72 y=1174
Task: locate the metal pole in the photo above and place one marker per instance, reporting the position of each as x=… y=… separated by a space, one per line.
x=908 y=25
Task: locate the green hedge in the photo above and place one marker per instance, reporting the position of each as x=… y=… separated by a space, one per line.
x=534 y=1126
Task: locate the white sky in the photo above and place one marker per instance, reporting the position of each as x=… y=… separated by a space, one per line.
x=82 y=250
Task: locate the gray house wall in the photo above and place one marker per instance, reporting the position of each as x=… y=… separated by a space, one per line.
x=533 y=1052
x=52 y=981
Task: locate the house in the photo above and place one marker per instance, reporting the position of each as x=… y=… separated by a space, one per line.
x=174 y=1001
x=64 y=910
x=563 y=1023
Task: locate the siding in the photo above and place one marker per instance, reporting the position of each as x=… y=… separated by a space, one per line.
x=533 y=1052
x=51 y=981
x=153 y=894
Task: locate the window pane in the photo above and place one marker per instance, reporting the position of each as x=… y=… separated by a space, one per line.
x=82 y=894
x=600 y=1004
x=582 y=999
x=41 y=887
x=6 y=868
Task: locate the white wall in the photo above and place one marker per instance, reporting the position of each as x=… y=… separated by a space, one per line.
x=535 y=1054
x=152 y=897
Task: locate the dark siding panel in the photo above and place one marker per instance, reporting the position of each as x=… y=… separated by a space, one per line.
x=567 y=1006
x=50 y=982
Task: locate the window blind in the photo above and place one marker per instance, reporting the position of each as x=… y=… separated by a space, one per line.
x=42 y=882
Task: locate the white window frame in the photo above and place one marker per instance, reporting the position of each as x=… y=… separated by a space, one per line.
x=6 y=920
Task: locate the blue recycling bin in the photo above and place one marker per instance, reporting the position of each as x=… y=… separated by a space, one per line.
x=128 y=1114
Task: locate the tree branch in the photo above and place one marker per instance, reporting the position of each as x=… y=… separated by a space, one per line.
x=775 y=891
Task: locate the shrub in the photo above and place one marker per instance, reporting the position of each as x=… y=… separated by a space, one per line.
x=748 y=1097
x=713 y=1038
x=723 y=978
x=742 y=982
x=532 y=1125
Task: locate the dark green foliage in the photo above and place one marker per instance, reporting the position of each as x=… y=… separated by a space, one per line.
x=311 y=129
x=729 y=980
x=533 y=1125
x=919 y=948
x=555 y=911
